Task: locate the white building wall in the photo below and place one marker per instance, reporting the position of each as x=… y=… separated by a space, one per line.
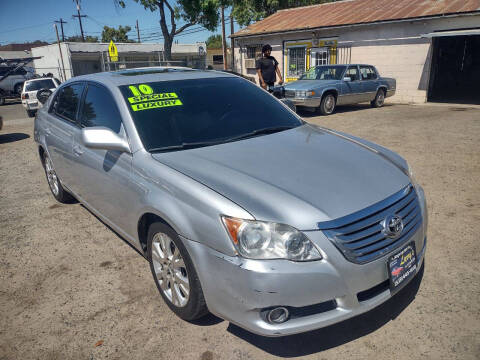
x=397 y=50
x=51 y=61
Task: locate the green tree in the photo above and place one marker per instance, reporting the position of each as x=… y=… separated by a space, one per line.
x=190 y=12
x=248 y=11
x=78 y=38
x=116 y=35
x=214 y=41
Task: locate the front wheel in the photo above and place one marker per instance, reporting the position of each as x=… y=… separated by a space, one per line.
x=327 y=105
x=31 y=113
x=379 y=99
x=174 y=273
x=60 y=194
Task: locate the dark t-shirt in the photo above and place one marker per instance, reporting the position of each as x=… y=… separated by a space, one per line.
x=268 y=66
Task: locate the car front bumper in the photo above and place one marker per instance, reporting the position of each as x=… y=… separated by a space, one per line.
x=307 y=102
x=238 y=289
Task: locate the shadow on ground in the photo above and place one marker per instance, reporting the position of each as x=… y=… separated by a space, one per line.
x=339 y=110
x=8 y=138
x=334 y=335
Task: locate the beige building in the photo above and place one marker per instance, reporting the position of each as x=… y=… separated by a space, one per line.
x=431 y=47
x=215 y=58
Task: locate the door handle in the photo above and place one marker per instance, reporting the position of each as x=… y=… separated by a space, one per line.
x=48 y=131
x=77 y=150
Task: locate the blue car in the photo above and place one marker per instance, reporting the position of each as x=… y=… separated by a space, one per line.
x=324 y=87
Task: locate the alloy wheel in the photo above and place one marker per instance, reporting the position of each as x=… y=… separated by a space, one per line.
x=380 y=98
x=329 y=104
x=51 y=176
x=170 y=270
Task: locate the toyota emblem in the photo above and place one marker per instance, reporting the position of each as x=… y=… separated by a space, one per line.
x=393 y=226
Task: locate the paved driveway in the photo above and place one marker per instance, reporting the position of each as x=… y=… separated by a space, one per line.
x=68 y=283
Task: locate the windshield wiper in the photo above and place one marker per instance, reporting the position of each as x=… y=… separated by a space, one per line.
x=184 y=146
x=269 y=130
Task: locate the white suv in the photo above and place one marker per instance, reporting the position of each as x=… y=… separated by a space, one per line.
x=29 y=93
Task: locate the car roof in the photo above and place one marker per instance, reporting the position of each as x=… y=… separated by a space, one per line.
x=148 y=74
x=37 y=79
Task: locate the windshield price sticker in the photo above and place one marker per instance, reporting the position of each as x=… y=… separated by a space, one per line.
x=155 y=104
x=145 y=99
x=152 y=97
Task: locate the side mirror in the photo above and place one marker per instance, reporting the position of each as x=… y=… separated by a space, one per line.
x=103 y=138
x=43 y=95
x=347 y=78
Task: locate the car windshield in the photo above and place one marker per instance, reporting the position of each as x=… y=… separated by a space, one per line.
x=176 y=115
x=323 y=73
x=39 y=84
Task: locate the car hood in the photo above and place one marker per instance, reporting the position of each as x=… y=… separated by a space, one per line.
x=298 y=177
x=309 y=84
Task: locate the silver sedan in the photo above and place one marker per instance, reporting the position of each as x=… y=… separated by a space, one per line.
x=248 y=212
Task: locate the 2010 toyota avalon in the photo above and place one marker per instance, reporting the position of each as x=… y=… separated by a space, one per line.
x=241 y=208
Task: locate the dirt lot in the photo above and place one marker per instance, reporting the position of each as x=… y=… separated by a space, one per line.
x=68 y=282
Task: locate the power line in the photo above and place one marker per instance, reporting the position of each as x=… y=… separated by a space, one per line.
x=61 y=24
x=79 y=18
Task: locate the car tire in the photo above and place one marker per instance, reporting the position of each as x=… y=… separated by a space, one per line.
x=174 y=273
x=31 y=113
x=379 y=99
x=58 y=192
x=17 y=89
x=328 y=104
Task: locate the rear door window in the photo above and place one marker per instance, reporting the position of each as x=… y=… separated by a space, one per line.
x=66 y=103
x=367 y=72
x=100 y=109
x=39 y=84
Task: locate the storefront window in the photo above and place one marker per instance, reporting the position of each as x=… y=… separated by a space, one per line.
x=296 y=61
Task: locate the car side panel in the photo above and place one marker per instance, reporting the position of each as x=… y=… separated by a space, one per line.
x=192 y=209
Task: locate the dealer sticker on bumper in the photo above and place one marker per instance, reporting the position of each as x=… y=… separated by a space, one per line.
x=402 y=267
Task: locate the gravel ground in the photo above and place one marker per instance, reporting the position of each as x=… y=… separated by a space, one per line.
x=72 y=289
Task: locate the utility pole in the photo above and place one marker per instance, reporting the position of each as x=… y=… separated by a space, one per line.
x=224 y=43
x=232 y=49
x=61 y=55
x=138 y=31
x=61 y=22
x=80 y=19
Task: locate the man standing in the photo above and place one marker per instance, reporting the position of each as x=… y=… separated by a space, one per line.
x=266 y=67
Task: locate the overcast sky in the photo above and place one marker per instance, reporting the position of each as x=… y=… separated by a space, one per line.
x=31 y=20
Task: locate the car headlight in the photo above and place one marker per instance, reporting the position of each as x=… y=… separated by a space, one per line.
x=300 y=93
x=266 y=240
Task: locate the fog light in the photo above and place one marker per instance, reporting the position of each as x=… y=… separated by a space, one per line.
x=278 y=315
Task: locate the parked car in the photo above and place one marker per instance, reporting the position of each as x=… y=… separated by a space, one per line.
x=29 y=93
x=248 y=212
x=324 y=87
x=12 y=84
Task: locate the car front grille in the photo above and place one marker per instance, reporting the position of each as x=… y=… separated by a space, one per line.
x=290 y=93
x=360 y=236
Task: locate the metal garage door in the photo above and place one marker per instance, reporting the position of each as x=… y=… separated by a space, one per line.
x=455 y=69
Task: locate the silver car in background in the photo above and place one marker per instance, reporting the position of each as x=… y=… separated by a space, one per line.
x=326 y=86
x=248 y=212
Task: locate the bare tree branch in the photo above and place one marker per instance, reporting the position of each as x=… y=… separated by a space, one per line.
x=183 y=27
